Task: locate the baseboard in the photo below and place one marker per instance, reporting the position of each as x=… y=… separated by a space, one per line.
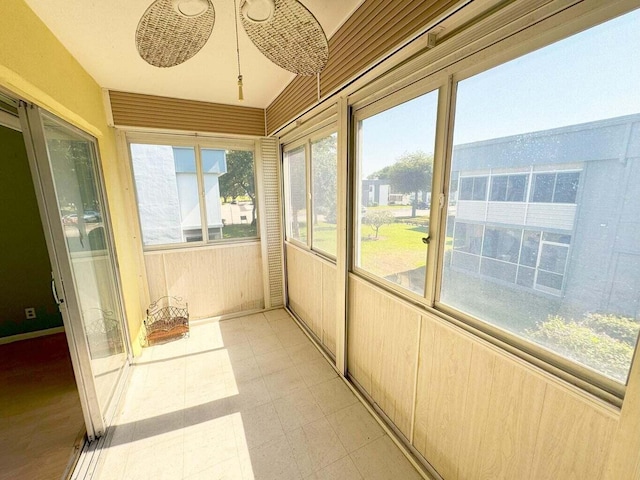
x=29 y=335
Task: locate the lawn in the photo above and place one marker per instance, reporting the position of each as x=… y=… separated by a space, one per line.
x=397 y=249
x=239 y=231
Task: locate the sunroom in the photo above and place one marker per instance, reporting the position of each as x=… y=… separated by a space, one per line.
x=419 y=261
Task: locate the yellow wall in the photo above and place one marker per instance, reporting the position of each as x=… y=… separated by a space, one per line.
x=36 y=67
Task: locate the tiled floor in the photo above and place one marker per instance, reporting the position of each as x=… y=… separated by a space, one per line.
x=249 y=398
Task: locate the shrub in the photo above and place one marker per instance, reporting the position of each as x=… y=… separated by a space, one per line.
x=602 y=342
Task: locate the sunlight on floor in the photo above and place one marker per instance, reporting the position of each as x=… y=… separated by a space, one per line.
x=248 y=398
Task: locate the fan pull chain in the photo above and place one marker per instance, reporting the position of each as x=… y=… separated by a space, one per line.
x=235 y=13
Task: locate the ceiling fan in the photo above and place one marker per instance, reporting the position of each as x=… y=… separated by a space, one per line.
x=172 y=31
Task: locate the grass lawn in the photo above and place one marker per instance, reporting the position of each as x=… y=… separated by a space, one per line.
x=239 y=231
x=397 y=249
x=324 y=237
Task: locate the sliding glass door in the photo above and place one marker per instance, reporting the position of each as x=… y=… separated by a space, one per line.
x=65 y=167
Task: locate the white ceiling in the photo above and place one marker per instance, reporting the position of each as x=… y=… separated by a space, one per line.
x=100 y=34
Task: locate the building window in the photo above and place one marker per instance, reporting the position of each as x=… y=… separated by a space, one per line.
x=555 y=187
x=473 y=188
x=169 y=180
x=509 y=188
x=553 y=275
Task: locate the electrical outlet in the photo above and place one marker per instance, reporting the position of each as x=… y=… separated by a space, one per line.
x=30 y=313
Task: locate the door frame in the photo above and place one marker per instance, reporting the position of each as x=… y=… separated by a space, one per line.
x=97 y=417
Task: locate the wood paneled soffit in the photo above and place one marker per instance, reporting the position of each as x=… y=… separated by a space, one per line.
x=149 y=111
x=376 y=29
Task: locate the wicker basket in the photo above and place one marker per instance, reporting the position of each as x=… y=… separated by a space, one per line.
x=167 y=320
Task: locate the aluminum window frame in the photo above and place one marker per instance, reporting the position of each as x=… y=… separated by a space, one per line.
x=550 y=24
x=305 y=139
x=197 y=142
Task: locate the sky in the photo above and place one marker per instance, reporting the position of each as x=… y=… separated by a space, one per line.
x=590 y=76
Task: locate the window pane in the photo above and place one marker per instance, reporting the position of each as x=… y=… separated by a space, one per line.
x=566 y=187
x=167 y=193
x=466 y=189
x=543 y=187
x=229 y=181
x=324 y=173
x=479 y=188
x=395 y=164
x=468 y=238
x=502 y=244
x=553 y=258
x=576 y=282
x=499 y=188
x=296 y=194
x=530 y=246
x=517 y=188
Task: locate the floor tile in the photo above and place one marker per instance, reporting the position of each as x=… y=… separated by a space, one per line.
x=382 y=460
x=257 y=426
x=283 y=382
x=274 y=361
x=316 y=371
x=265 y=344
x=292 y=337
x=276 y=314
x=265 y=405
x=272 y=461
x=297 y=409
x=333 y=395
x=343 y=469
x=355 y=426
x=315 y=446
x=303 y=352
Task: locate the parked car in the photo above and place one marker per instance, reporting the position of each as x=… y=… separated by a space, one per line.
x=90 y=216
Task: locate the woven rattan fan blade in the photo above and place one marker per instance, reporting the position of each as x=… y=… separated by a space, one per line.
x=165 y=38
x=292 y=39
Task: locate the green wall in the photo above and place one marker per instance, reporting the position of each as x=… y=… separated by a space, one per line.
x=25 y=271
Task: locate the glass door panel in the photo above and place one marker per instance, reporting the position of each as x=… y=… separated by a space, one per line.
x=73 y=162
x=79 y=239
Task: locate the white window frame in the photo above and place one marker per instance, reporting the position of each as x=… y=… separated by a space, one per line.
x=444 y=70
x=306 y=140
x=197 y=142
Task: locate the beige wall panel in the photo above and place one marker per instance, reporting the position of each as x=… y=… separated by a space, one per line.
x=329 y=306
x=155 y=276
x=392 y=350
x=304 y=286
x=362 y=305
x=396 y=330
x=443 y=372
x=574 y=438
x=508 y=436
x=481 y=414
x=476 y=410
x=216 y=280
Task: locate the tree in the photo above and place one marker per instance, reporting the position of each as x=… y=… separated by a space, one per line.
x=410 y=174
x=325 y=172
x=239 y=179
x=377 y=218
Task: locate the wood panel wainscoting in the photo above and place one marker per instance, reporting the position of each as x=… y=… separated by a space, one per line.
x=214 y=280
x=469 y=408
x=311 y=282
